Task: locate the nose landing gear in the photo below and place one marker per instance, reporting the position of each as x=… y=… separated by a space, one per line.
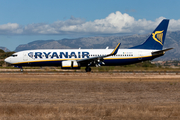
x=21 y=70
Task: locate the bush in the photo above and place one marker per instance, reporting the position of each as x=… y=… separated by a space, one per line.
x=5 y=54
x=2 y=51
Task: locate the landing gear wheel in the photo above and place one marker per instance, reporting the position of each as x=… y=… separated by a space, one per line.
x=88 y=69
x=21 y=70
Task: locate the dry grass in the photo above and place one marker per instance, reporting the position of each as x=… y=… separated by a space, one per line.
x=91 y=112
x=89 y=96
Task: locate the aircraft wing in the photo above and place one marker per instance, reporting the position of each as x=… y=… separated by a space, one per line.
x=99 y=58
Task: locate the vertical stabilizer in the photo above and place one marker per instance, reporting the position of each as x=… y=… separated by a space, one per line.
x=156 y=39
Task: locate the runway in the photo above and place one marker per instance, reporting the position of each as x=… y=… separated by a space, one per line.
x=60 y=71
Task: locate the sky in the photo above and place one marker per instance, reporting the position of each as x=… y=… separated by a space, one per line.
x=23 y=21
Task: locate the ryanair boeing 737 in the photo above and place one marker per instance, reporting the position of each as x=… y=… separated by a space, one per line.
x=76 y=58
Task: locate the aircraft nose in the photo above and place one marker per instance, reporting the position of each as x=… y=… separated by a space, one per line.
x=8 y=60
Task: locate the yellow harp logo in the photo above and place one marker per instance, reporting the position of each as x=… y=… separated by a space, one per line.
x=158 y=36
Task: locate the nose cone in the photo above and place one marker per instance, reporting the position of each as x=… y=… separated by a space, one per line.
x=8 y=60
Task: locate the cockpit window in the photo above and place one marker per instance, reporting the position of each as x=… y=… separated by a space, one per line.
x=14 y=55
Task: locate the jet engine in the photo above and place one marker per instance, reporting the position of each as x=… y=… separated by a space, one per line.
x=70 y=65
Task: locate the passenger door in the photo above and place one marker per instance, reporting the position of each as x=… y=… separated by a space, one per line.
x=25 y=56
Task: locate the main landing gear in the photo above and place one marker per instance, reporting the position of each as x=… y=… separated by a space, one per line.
x=88 y=69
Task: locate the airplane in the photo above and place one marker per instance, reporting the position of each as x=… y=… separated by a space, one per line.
x=77 y=58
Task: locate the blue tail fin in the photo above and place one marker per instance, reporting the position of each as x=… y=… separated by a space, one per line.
x=156 y=39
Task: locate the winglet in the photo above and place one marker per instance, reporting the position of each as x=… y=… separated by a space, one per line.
x=114 y=52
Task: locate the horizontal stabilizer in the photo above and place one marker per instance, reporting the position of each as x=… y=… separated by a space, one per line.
x=160 y=52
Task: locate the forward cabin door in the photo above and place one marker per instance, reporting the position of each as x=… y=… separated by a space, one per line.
x=25 y=56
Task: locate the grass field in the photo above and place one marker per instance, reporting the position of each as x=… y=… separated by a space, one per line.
x=90 y=96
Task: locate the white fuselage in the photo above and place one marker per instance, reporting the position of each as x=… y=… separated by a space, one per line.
x=56 y=56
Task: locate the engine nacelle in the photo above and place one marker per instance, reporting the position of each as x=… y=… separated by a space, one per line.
x=70 y=65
